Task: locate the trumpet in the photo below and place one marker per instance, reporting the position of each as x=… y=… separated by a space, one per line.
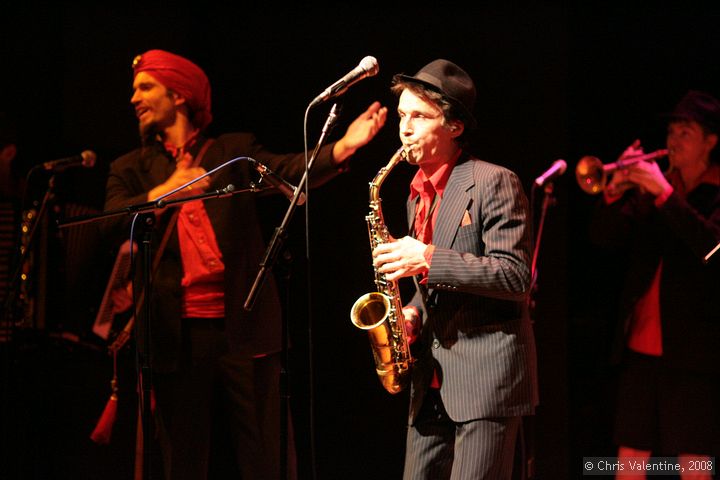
x=592 y=174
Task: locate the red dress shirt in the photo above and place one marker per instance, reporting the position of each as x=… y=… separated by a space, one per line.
x=203 y=268
x=427 y=188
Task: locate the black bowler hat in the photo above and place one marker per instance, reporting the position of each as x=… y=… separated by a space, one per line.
x=451 y=81
x=700 y=107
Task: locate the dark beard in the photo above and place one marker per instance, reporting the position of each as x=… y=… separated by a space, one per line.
x=149 y=134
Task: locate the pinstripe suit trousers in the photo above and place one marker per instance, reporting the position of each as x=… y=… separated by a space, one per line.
x=439 y=449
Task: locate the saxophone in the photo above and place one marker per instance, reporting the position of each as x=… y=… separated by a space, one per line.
x=380 y=312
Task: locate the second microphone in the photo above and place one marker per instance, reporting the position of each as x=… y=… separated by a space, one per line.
x=285 y=187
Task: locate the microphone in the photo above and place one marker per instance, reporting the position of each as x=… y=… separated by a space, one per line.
x=277 y=181
x=558 y=168
x=85 y=159
x=368 y=67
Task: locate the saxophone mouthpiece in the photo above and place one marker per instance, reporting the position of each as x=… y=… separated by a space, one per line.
x=406 y=153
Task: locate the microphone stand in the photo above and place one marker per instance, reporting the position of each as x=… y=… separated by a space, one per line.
x=280 y=233
x=8 y=319
x=25 y=252
x=548 y=200
x=526 y=436
x=146 y=209
x=266 y=264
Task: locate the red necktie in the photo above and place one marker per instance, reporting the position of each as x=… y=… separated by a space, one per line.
x=423 y=216
x=423 y=232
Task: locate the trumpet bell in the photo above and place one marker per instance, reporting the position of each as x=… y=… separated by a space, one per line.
x=591 y=175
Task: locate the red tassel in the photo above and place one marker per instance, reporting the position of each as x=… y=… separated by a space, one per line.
x=103 y=429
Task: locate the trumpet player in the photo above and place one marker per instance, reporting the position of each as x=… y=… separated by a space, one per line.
x=669 y=385
x=475 y=370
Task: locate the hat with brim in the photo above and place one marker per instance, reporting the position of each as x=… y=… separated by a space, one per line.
x=700 y=107
x=452 y=82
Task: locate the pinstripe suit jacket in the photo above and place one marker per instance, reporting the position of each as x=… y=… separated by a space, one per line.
x=476 y=329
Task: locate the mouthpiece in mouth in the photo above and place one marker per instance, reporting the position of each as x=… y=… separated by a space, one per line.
x=407 y=154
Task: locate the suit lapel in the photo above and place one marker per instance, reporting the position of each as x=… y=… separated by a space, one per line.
x=454 y=203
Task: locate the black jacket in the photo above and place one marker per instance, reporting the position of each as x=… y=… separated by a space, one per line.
x=238 y=234
x=680 y=233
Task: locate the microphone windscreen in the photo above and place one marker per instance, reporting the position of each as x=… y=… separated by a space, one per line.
x=370 y=65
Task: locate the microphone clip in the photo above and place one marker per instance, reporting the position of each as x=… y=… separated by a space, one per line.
x=276 y=181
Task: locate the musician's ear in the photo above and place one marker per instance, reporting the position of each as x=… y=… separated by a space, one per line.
x=8 y=152
x=456 y=128
x=712 y=140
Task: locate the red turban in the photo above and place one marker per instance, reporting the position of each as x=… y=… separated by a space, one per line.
x=181 y=76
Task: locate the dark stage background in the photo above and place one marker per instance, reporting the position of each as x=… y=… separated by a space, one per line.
x=553 y=82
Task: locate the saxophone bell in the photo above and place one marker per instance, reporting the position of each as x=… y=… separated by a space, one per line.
x=375 y=313
x=370 y=310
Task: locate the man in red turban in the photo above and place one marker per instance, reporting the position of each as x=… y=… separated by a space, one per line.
x=181 y=76
x=213 y=362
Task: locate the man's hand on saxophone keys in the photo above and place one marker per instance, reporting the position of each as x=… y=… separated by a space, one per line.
x=402 y=258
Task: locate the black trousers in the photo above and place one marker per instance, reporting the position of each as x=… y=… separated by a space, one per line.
x=218 y=415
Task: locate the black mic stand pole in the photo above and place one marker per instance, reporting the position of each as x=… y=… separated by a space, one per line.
x=8 y=322
x=267 y=263
x=147 y=221
x=527 y=435
x=548 y=200
x=142 y=329
x=24 y=253
x=280 y=233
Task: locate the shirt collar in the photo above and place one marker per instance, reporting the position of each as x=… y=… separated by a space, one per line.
x=178 y=152
x=438 y=179
x=710 y=176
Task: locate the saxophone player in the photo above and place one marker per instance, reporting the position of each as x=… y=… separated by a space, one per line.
x=474 y=375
